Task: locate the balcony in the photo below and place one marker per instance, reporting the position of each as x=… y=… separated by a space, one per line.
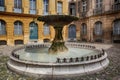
x=98 y=11
x=116 y=7
x=2 y=8
x=17 y=10
x=32 y=11
x=83 y=14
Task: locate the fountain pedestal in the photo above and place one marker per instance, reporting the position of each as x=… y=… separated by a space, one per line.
x=58 y=42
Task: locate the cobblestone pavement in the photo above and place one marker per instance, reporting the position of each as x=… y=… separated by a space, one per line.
x=112 y=72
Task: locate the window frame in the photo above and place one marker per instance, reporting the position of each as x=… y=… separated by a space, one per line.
x=2 y=3
x=59 y=7
x=33 y=3
x=18 y=4
x=18 y=28
x=72 y=9
x=2 y=28
x=84 y=6
x=84 y=29
x=46 y=29
x=45 y=7
x=72 y=31
x=99 y=4
x=98 y=30
x=116 y=27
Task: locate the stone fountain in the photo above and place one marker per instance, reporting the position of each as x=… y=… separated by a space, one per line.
x=58 y=22
x=59 y=59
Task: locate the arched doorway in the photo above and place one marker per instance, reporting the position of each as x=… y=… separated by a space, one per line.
x=2 y=27
x=84 y=32
x=116 y=31
x=33 y=31
x=98 y=32
x=18 y=28
x=72 y=32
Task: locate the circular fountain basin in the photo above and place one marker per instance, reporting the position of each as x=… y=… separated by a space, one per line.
x=42 y=55
x=35 y=61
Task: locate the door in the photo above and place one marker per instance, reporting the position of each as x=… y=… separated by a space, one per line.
x=33 y=31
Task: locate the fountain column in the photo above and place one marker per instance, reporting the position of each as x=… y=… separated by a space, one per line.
x=58 y=44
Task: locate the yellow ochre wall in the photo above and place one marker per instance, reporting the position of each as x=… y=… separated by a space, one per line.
x=10 y=17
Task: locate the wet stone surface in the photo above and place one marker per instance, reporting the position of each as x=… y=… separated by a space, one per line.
x=112 y=72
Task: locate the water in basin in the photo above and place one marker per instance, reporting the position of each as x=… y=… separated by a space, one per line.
x=42 y=55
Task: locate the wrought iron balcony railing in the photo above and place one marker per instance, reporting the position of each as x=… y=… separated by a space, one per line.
x=116 y=7
x=83 y=14
x=98 y=11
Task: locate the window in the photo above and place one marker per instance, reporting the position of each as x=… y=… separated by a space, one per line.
x=79 y=7
x=59 y=7
x=18 y=28
x=84 y=29
x=117 y=1
x=46 y=29
x=46 y=7
x=84 y=6
x=32 y=6
x=98 y=28
x=117 y=5
x=72 y=9
x=2 y=8
x=116 y=28
x=1 y=3
x=2 y=28
x=33 y=31
x=18 y=6
x=98 y=4
x=72 y=32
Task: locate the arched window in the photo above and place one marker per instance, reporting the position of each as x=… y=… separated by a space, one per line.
x=116 y=27
x=59 y=7
x=2 y=28
x=18 y=30
x=72 y=32
x=46 y=7
x=18 y=6
x=33 y=30
x=46 y=29
x=98 y=28
x=32 y=6
x=84 y=29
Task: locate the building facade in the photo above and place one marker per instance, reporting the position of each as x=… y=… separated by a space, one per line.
x=99 y=20
x=18 y=24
